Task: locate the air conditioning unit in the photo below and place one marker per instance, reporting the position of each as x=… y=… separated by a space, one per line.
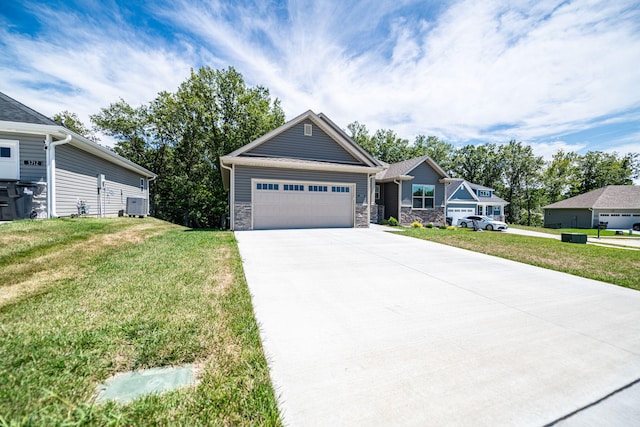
x=137 y=206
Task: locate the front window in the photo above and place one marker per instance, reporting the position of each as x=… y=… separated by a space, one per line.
x=377 y=196
x=423 y=196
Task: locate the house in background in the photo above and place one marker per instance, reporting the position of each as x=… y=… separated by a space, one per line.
x=48 y=171
x=617 y=205
x=307 y=173
x=465 y=198
x=412 y=190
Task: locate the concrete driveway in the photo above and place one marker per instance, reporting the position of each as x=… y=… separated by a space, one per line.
x=369 y=328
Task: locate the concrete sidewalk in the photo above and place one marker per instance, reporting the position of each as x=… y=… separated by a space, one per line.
x=633 y=242
x=370 y=328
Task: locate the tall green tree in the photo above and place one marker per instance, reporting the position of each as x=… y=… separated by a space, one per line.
x=559 y=176
x=440 y=151
x=182 y=135
x=522 y=181
x=597 y=169
x=480 y=164
x=72 y=122
x=384 y=144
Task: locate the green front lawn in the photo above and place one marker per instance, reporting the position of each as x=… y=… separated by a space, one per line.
x=86 y=298
x=612 y=265
x=593 y=232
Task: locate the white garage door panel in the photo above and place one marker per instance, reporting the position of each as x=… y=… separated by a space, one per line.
x=457 y=213
x=622 y=221
x=302 y=209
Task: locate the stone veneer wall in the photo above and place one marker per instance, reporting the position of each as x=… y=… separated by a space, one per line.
x=435 y=216
x=242 y=216
x=377 y=213
x=362 y=216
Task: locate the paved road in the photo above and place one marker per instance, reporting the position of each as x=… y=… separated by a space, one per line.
x=369 y=328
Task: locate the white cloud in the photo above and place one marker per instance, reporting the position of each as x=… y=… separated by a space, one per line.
x=477 y=70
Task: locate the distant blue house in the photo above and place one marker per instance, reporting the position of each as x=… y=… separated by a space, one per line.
x=465 y=198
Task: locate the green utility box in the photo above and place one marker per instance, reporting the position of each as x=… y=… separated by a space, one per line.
x=574 y=237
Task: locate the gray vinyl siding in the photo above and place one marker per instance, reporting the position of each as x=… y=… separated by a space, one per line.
x=244 y=174
x=76 y=179
x=31 y=149
x=423 y=174
x=462 y=194
x=292 y=143
x=390 y=200
x=568 y=218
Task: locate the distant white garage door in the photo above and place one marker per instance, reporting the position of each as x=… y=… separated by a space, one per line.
x=623 y=221
x=457 y=213
x=279 y=204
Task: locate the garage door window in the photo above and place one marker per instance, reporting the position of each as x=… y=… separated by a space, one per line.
x=267 y=186
x=293 y=187
x=423 y=196
x=319 y=188
x=340 y=189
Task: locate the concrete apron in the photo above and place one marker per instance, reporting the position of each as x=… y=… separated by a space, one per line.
x=363 y=327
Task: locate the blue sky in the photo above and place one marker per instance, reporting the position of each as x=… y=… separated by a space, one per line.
x=553 y=74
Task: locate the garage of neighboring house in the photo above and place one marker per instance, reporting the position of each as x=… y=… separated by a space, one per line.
x=616 y=205
x=305 y=174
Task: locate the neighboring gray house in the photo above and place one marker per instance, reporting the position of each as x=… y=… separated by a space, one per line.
x=306 y=173
x=465 y=198
x=617 y=205
x=48 y=171
x=412 y=190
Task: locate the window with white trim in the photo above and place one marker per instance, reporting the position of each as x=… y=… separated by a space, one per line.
x=377 y=192
x=484 y=193
x=141 y=184
x=308 y=130
x=423 y=196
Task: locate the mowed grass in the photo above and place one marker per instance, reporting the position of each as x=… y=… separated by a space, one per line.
x=612 y=265
x=593 y=232
x=84 y=299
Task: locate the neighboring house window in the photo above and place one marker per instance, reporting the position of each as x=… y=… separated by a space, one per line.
x=484 y=193
x=141 y=184
x=5 y=152
x=423 y=196
x=340 y=189
x=319 y=188
x=377 y=192
x=293 y=187
x=480 y=210
x=265 y=186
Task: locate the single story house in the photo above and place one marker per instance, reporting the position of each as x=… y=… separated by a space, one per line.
x=47 y=171
x=617 y=205
x=465 y=198
x=412 y=190
x=306 y=173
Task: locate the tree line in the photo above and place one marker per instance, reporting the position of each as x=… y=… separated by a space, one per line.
x=181 y=135
x=523 y=179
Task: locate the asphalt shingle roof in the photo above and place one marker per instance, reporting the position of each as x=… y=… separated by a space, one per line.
x=14 y=111
x=609 y=197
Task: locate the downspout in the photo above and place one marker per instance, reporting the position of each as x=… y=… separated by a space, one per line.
x=231 y=195
x=152 y=178
x=50 y=145
x=399 y=197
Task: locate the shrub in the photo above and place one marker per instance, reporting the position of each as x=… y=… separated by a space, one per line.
x=443 y=227
x=384 y=222
x=393 y=222
x=416 y=224
x=429 y=225
x=451 y=227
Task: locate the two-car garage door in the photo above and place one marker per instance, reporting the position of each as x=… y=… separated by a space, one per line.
x=289 y=204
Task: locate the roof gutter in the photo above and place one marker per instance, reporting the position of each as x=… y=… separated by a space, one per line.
x=50 y=145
